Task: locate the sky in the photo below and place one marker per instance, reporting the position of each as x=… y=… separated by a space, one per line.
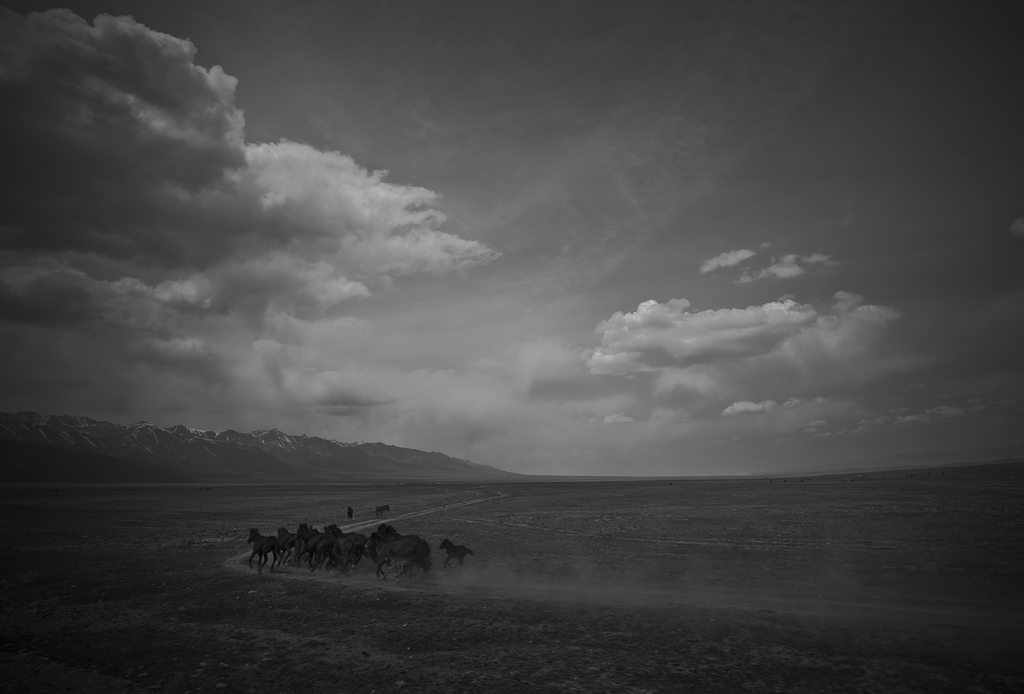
x=662 y=238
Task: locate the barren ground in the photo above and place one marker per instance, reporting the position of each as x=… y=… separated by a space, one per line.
x=902 y=585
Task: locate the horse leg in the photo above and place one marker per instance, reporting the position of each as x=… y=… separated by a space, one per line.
x=251 y=556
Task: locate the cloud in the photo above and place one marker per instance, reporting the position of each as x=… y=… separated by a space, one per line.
x=668 y=334
x=788 y=266
x=727 y=259
x=379 y=227
x=946 y=411
x=617 y=418
x=780 y=351
x=1017 y=228
x=106 y=125
x=151 y=254
x=747 y=407
x=125 y=148
x=276 y=281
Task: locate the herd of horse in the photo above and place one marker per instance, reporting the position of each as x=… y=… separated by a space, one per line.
x=334 y=548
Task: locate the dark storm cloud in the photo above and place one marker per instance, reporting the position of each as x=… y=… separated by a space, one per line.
x=123 y=146
x=105 y=125
x=44 y=299
x=187 y=357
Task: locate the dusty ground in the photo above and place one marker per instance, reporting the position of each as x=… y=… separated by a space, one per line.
x=716 y=586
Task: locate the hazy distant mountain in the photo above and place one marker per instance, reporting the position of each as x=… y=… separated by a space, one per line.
x=33 y=462
x=920 y=459
x=935 y=458
x=261 y=454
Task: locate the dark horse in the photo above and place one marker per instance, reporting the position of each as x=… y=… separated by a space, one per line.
x=286 y=544
x=458 y=552
x=381 y=509
x=350 y=512
x=385 y=535
x=401 y=554
x=303 y=537
x=345 y=551
x=263 y=546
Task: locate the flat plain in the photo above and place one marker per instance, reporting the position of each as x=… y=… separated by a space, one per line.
x=889 y=584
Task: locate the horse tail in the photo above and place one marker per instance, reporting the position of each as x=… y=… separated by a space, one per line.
x=470 y=552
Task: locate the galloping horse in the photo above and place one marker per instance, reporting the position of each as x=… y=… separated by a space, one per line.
x=385 y=535
x=304 y=536
x=344 y=550
x=402 y=554
x=263 y=546
x=286 y=544
x=458 y=552
x=381 y=509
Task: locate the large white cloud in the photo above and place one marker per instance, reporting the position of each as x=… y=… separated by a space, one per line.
x=745 y=360
x=371 y=225
x=658 y=335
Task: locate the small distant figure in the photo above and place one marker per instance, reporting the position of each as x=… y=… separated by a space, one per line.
x=381 y=510
x=350 y=512
x=457 y=552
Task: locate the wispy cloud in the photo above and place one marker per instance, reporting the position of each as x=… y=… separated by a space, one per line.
x=787 y=266
x=746 y=407
x=727 y=259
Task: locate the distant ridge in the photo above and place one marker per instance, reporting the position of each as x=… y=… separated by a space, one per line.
x=32 y=462
x=143 y=450
x=918 y=459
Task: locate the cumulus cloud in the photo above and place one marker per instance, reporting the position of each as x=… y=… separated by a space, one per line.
x=617 y=418
x=788 y=266
x=726 y=259
x=379 y=226
x=1017 y=228
x=669 y=334
x=125 y=147
x=780 y=351
x=142 y=239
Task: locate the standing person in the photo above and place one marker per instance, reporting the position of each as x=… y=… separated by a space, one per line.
x=350 y=512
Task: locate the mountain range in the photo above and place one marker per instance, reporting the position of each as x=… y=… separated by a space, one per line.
x=65 y=448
